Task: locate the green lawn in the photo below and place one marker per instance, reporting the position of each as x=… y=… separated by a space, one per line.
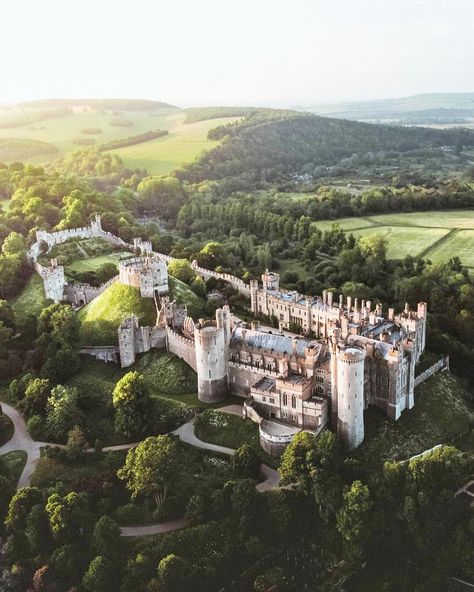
x=183 y=144
x=92 y=263
x=31 y=300
x=63 y=131
x=460 y=243
x=404 y=240
x=231 y=431
x=40 y=141
x=418 y=233
x=183 y=295
x=295 y=266
x=441 y=416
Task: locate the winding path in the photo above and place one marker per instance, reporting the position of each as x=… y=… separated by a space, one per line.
x=21 y=440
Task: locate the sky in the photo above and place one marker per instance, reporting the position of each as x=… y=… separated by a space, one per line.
x=235 y=52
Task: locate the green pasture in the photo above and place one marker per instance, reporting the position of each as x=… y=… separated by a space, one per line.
x=183 y=144
x=63 y=131
x=437 y=235
x=45 y=139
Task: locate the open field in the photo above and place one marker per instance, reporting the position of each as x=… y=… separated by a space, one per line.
x=31 y=138
x=436 y=235
x=183 y=144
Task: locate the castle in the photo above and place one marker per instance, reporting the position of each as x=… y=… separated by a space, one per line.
x=146 y=272
x=351 y=355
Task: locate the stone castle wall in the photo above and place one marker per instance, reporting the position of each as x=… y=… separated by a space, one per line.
x=181 y=347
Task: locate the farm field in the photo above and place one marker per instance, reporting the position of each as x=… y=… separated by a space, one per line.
x=25 y=136
x=436 y=235
x=183 y=144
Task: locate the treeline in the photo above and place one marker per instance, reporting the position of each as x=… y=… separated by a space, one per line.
x=30 y=118
x=271 y=145
x=120 y=104
x=132 y=140
x=195 y=114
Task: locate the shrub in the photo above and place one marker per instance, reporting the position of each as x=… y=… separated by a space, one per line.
x=36 y=427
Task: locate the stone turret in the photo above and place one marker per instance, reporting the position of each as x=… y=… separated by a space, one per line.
x=271 y=281
x=349 y=378
x=254 y=296
x=211 y=359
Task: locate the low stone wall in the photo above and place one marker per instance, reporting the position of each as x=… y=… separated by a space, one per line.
x=273 y=445
x=181 y=347
x=239 y=284
x=104 y=353
x=82 y=294
x=441 y=364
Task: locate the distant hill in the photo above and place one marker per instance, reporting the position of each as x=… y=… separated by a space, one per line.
x=429 y=108
x=267 y=145
x=116 y=104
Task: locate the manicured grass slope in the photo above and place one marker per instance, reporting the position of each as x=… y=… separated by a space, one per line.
x=31 y=299
x=441 y=415
x=101 y=318
x=435 y=235
x=230 y=431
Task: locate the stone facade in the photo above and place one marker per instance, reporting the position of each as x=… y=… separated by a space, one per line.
x=150 y=274
x=351 y=356
x=53 y=280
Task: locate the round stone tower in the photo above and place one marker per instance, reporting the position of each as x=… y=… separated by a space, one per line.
x=350 y=394
x=211 y=360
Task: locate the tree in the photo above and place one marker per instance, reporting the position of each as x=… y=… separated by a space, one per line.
x=132 y=405
x=164 y=195
x=173 y=572
x=68 y=516
x=36 y=396
x=99 y=576
x=106 y=537
x=181 y=269
x=211 y=255
x=246 y=461
x=20 y=506
x=353 y=519
x=62 y=411
x=152 y=468
x=43 y=580
x=295 y=464
x=14 y=245
x=7 y=315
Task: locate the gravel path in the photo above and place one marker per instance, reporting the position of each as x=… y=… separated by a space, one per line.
x=21 y=440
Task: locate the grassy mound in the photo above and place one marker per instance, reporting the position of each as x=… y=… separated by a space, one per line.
x=167 y=374
x=101 y=318
x=183 y=294
x=441 y=415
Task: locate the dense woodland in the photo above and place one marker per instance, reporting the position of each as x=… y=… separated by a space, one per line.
x=397 y=526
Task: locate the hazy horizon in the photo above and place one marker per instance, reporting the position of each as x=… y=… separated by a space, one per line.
x=273 y=53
